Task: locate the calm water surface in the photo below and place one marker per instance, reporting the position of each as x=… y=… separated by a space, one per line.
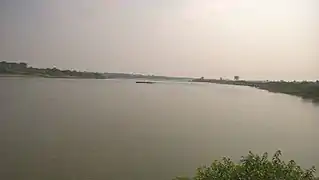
x=115 y=129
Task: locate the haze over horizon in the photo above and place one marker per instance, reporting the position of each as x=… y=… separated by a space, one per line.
x=255 y=39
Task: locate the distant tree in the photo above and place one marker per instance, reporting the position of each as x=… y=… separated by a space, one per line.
x=236 y=78
x=3 y=69
x=3 y=63
x=202 y=78
x=23 y=65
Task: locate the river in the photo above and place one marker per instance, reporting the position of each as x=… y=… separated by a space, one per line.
x=70 y=129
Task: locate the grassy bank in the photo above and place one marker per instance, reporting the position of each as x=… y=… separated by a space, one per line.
x=306 y=90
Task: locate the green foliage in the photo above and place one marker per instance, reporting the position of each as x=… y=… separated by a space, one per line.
x=254 y=167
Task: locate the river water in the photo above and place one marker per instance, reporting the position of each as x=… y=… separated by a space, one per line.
x=116 y=129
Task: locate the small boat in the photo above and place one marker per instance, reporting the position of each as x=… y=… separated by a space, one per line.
x=145 y=82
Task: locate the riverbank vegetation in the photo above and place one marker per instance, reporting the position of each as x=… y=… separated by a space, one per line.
x=306 y=89
x=253 y=167
x=23 y=69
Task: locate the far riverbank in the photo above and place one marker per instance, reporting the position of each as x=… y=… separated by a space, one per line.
x=306 y=89
x=12 y=69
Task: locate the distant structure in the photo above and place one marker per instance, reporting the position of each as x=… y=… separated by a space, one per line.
x=236 y=78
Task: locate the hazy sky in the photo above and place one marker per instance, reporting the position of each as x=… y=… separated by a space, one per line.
x=255 y=39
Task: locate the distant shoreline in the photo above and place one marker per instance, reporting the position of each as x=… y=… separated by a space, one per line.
x=13 y=75
x=38 y=76
x=9 y=69
x=306 y=90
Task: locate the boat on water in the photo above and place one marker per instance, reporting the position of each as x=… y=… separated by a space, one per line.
x=145 y=82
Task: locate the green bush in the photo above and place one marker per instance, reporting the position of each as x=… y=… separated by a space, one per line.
x=253 y=167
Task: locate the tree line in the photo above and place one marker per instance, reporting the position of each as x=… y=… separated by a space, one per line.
x=24 y=69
